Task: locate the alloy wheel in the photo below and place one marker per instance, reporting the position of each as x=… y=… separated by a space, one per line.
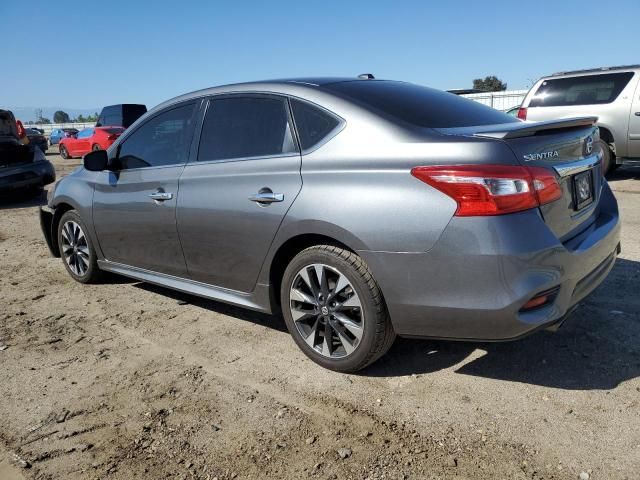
x=75 y=248
x=326 y=310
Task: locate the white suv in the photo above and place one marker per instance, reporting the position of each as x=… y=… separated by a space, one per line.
x=612 y=94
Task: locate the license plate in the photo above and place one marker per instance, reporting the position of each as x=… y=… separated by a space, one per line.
x=582 y=189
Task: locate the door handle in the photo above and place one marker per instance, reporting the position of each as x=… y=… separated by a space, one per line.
x=161 y=196
x=266 y=197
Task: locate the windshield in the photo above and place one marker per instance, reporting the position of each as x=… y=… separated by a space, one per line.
x=419 y=106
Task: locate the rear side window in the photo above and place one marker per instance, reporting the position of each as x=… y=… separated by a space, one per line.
x=585 y=90
x=162 y=140
x=245 y=126
x=416 y=105
x=313 y=124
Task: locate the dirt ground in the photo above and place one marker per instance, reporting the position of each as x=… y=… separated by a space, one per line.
x=127 y=380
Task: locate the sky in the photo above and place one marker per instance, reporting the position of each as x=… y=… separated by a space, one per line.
x=93 y=53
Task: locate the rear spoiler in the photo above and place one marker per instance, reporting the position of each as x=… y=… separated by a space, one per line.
x=527 y=129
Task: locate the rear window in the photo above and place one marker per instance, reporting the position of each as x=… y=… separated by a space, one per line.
x=419 y=106
x=584 y=90
x=112 y=130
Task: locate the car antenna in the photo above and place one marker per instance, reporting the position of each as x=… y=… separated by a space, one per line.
x=366 y=76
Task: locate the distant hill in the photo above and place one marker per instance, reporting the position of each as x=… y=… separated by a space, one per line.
x=27 y=114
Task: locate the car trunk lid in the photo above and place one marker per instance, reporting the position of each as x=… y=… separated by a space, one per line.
x=568 y=148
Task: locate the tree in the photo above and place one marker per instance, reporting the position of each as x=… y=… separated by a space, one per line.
x=61 y=117
x=93 y=118
x=44 y=121
x=490 y=83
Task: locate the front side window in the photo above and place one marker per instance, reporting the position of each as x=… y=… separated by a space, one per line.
x=244 y=127
x=163 y=140
x=584 y=90
x=312 y=123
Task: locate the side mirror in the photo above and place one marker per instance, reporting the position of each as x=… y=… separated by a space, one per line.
x=96 y=161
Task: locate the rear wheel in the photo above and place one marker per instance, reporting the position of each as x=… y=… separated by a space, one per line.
x=76 y=249
x=96 y=147
x=64 y=153
x=608 y=157
x=334 y=309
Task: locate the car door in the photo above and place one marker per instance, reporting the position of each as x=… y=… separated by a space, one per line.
x=235 y=193
x=134 y=206
x=634 y=123
x=82 y=143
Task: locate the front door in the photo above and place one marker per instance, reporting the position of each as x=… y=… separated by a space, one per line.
x=82 y=143
x=234 y=195
x=134 y=206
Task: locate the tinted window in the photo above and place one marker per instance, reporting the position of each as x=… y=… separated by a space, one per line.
x=419 y=106
x=585 y=90
x=240 y=127
x=313 y=124
x=113 y=130
x=163 y=140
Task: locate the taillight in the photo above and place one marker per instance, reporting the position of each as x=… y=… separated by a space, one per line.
x=522 y=113
x=20 y=129
x=113 y=137
x=481 y=190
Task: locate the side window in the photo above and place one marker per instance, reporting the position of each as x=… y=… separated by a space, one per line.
x=313 y=124
x=583 y=90
x=86 y=133
x=241 y=127
x=163 y=140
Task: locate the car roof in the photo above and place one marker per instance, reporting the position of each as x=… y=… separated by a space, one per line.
x=591 y=71
x=283 y=85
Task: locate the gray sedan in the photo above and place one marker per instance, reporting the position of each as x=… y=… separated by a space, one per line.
x=361 y=209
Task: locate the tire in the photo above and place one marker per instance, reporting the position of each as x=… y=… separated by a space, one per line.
x=96 y=147
x=76 y=250
x=608 y=158
x=361 y=331
x=64 y=153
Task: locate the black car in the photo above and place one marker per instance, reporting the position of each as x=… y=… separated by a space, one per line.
x=37 y=139
x=22 y=167
x=120 y=115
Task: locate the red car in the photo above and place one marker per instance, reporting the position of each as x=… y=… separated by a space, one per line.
x=93 y=138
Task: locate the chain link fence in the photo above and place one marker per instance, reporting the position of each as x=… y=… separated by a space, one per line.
x=499 y=100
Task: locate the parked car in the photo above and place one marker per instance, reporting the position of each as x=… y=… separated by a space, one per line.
x=88 y=139
x=22 y=167
x=612 y=94
x=361 y=209
x=58 y=134
x=37 y=139
x=123 y=114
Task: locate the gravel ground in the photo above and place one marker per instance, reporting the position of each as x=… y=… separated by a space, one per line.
x=127 y=380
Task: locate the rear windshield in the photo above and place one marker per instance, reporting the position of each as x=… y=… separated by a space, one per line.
x=419 y=106
x=585 y=90
x=113 y=130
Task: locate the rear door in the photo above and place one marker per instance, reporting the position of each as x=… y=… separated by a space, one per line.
x=634 y=124
x=134 y=207
x=235 y=194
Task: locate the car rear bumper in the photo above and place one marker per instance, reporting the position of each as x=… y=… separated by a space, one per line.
x=474 y=282
x=32 y=174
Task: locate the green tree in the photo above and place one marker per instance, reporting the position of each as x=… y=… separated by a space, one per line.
x=80 y=119
x=44 y=121
x=92 y=118
x=490 y=83
x=61 y=117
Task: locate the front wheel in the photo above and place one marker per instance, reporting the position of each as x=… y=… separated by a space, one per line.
x=334 y=309
x=76 y=249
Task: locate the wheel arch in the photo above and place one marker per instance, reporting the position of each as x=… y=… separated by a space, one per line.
x=287 y=251
x=60 y=209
